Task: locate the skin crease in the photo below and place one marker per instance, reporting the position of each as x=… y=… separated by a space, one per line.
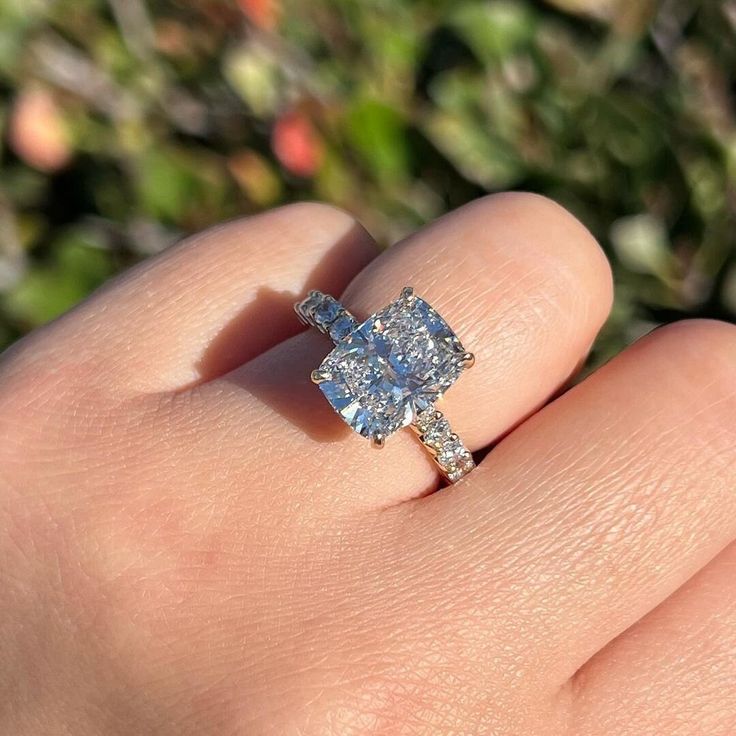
x=191 y=543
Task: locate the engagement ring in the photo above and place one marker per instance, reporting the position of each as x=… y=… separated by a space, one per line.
x=387 y=372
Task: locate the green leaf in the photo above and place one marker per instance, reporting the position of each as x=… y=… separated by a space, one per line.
x=252 y=73
x=642 y=245
x=48 y=290
x=377 y=133
x=494 y=30
x=166 y=184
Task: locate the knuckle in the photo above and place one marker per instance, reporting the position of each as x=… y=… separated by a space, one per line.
x=542 y=238
x=318 y=222
x=694 y=362
x=563 y=228
x=702 y=352
x=309 y=211
x=287 y=228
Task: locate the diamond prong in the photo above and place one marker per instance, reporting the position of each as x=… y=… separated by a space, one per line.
x=403 y=357
x=378 y=441
x=320 y=376
x=468 y=360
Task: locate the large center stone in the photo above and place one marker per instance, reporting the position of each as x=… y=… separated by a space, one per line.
x=392 y=366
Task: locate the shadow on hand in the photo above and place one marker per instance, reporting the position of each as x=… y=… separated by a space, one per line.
x=280 y=378
x=268 y=319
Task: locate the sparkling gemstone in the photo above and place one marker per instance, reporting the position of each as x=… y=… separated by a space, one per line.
x=452 y=454
x=342 y=327
x=326 y=311
x=391 y=367
x=311 y=302
x=427 y=419
x=437 y=433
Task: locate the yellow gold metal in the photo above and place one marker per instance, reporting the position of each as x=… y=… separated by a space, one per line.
x=378 y=441
x=431 y=449
x=468 y=360
x=319 y=376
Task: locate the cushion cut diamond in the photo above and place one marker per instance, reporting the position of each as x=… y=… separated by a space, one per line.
x=392 y=366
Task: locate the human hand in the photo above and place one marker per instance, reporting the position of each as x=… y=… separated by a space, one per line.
x=192 y=542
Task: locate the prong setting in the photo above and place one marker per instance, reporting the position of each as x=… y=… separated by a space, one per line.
x=376 y=401
x=320 y=376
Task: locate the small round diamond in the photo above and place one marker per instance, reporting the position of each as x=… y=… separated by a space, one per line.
x=326 y=312
x=426 y=418
x=312 y=302
x=438 y=433
x=451 y=452
x=342 y=327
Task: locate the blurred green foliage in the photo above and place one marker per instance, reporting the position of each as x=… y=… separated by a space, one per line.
x=128 y=123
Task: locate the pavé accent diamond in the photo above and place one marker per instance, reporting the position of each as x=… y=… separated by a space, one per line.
x=342 y=327
x=391 y=367
x=326 y=312
x=453 y=458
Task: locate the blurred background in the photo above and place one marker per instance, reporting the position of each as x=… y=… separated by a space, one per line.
x=129 y=123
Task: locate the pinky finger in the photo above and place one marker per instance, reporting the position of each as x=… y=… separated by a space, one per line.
x=672 y=673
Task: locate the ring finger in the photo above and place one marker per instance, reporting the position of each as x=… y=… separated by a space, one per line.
x=520 y=281
x=673 y=672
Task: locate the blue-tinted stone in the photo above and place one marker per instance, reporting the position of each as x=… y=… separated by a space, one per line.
x=393 y=365
x=313 y=300
x=341 y=327
x=326 y=311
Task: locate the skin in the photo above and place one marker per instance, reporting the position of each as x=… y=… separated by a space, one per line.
x=191 y=542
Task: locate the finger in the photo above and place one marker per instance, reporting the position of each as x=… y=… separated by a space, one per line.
x=673 y=672
x=601 y=505
x=214 y=301
x=521 y=282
